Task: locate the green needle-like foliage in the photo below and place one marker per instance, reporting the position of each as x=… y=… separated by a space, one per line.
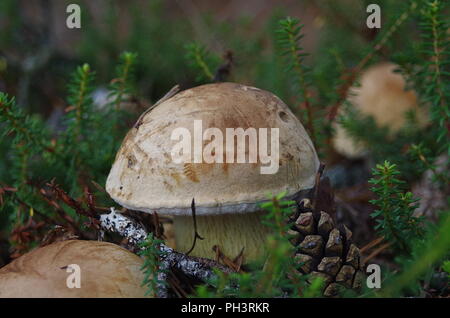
x=395 y=208
x=79 y=152
x=201 y=61
x=396 y=148
x=423 y=156
x=80 y=120
x=288 y=39
x=122 y=84
x=151 y=252
x=29 y=143
x=80 y=103
x=28 y=131
x=433 y=76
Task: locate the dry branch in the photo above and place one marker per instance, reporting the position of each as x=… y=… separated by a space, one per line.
x=200 y=268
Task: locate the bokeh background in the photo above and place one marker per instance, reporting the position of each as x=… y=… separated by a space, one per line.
x=38 y=50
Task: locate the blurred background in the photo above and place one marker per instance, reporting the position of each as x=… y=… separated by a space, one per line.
x=37 y=50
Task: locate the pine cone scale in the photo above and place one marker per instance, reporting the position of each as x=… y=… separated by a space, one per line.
x=326 y=251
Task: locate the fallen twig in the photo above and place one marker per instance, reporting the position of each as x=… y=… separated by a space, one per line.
x=200 y=268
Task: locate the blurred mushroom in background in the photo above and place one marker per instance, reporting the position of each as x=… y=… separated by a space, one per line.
x=383 y=96
x=106 y=271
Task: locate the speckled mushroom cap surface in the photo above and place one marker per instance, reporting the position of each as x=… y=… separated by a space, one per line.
x=106 y=271
x=144 y=177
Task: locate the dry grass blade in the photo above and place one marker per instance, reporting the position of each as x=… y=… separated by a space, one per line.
x=175 y=285
x=235 y=264
x=376 y=252
x=371 y=244
x=98 y=187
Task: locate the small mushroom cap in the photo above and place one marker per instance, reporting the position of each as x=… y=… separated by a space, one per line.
x=145 y=178
x=382 y=95
x=106 y=270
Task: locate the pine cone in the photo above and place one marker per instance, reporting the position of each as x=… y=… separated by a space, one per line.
x=325 y=251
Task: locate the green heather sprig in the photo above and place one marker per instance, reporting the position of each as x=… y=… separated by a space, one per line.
x=396 y=148
x=80 y=151
x=288 y=40
x=395 y=208
x=151 y=252
x=30 y=137
x=201 y=61
x=80 y=124
x=123 y=83
x=80 y=103
x=28 y=131
x=433 y=77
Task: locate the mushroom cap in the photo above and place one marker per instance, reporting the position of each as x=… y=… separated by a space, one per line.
x=145 y=178
x=382 y=95
x=106 y=270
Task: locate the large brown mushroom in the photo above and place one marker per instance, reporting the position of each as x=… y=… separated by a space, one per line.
x=106 y=270
x=382 y=95
x=145 y=177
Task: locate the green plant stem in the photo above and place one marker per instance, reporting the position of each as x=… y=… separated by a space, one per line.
x=387 y=215
x=293 y=49
x=437 y=68
x=80 y=100
x=123 y=82
x=201 y=63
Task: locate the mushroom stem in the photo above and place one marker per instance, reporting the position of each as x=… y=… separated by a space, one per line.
x=231 y=232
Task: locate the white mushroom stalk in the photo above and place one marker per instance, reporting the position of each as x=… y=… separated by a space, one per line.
x=231 y=233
